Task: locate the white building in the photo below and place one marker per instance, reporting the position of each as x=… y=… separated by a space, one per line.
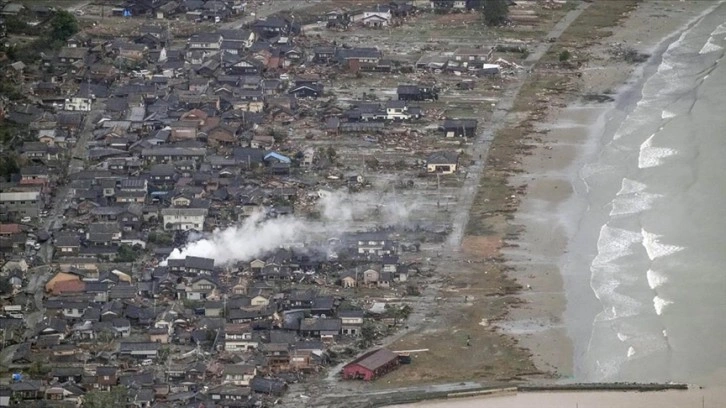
x=183 y=218
x=376 y=18
x=78 y=104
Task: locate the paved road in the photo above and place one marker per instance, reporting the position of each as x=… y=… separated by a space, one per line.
x=480 y=150
x=78 y=155
x=263 y=9
x=63 y=196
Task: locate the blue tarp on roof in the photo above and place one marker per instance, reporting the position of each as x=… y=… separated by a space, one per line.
x=278 y=157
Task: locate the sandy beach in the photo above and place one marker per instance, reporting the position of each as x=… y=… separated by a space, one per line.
x=696 y=398
x=546 y=213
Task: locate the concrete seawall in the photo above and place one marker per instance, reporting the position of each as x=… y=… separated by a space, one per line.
x=603 y=387
x=466 y=390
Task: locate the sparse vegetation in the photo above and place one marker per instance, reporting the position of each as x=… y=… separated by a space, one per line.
x=495 y=12
x=8 y=164
x=160 y=238
x=127 y=253
x=634 y=57
x=117 y=396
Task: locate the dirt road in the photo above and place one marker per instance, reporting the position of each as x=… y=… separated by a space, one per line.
x=480 y=150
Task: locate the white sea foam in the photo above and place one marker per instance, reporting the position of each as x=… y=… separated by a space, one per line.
x=625 y=306
x=721 y=29
x=628 y=186
x=659 y=304
x=632 y=204
x=665 y=67
x=622 y=337
x=614 y=243
x=653 y=156
x=606 y=370
x=631 y=351
x=710 y=46
x=591 y=170
x=620 y=305
x=667 y=114
x=655 y=248
x=655 y=279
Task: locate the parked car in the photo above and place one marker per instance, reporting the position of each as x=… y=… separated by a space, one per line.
x=25 y=219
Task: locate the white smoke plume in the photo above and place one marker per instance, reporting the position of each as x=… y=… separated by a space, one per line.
x=258 y=235
x=254 y=236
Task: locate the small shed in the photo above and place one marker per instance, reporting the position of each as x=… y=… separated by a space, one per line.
x=371 y=365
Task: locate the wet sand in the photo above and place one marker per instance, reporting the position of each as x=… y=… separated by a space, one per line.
x=695 y=398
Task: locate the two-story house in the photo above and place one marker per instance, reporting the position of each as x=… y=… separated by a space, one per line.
x=239 y=337
x=200 y=288
x=182 y=219
x=238 y=374
x=399 y=110
x=351 y=322
x=206 y=42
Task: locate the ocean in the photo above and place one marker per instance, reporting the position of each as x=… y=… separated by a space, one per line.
x=644 y=271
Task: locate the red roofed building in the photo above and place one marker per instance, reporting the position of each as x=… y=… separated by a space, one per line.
x=69 y=287
x=371 y=365
x=10 y=229
x=60 y=277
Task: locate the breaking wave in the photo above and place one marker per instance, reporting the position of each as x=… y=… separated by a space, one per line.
x=655 y=248
x=653 y=156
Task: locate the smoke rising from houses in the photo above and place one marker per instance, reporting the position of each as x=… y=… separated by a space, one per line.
x=258 y=235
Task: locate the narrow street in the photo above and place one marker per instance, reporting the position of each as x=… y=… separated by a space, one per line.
x=78 y=155
x=37 y=278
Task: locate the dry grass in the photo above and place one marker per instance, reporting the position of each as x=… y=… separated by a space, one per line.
x=597 y=21
x=476 y=294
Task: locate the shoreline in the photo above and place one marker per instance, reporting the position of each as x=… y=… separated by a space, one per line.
x=544 y=180
x=554 y=187
x=669 y=398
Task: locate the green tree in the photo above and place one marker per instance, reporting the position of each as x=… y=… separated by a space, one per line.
x=495 y=12
x=5 y=286
x=564 y=55
x=164 y=354
x=8 y=166
x=38 y=369
x=127 y=254
x=14 y=25
x=367 y=335
x=160 y=238
x=63 y=25
x=398 y=313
